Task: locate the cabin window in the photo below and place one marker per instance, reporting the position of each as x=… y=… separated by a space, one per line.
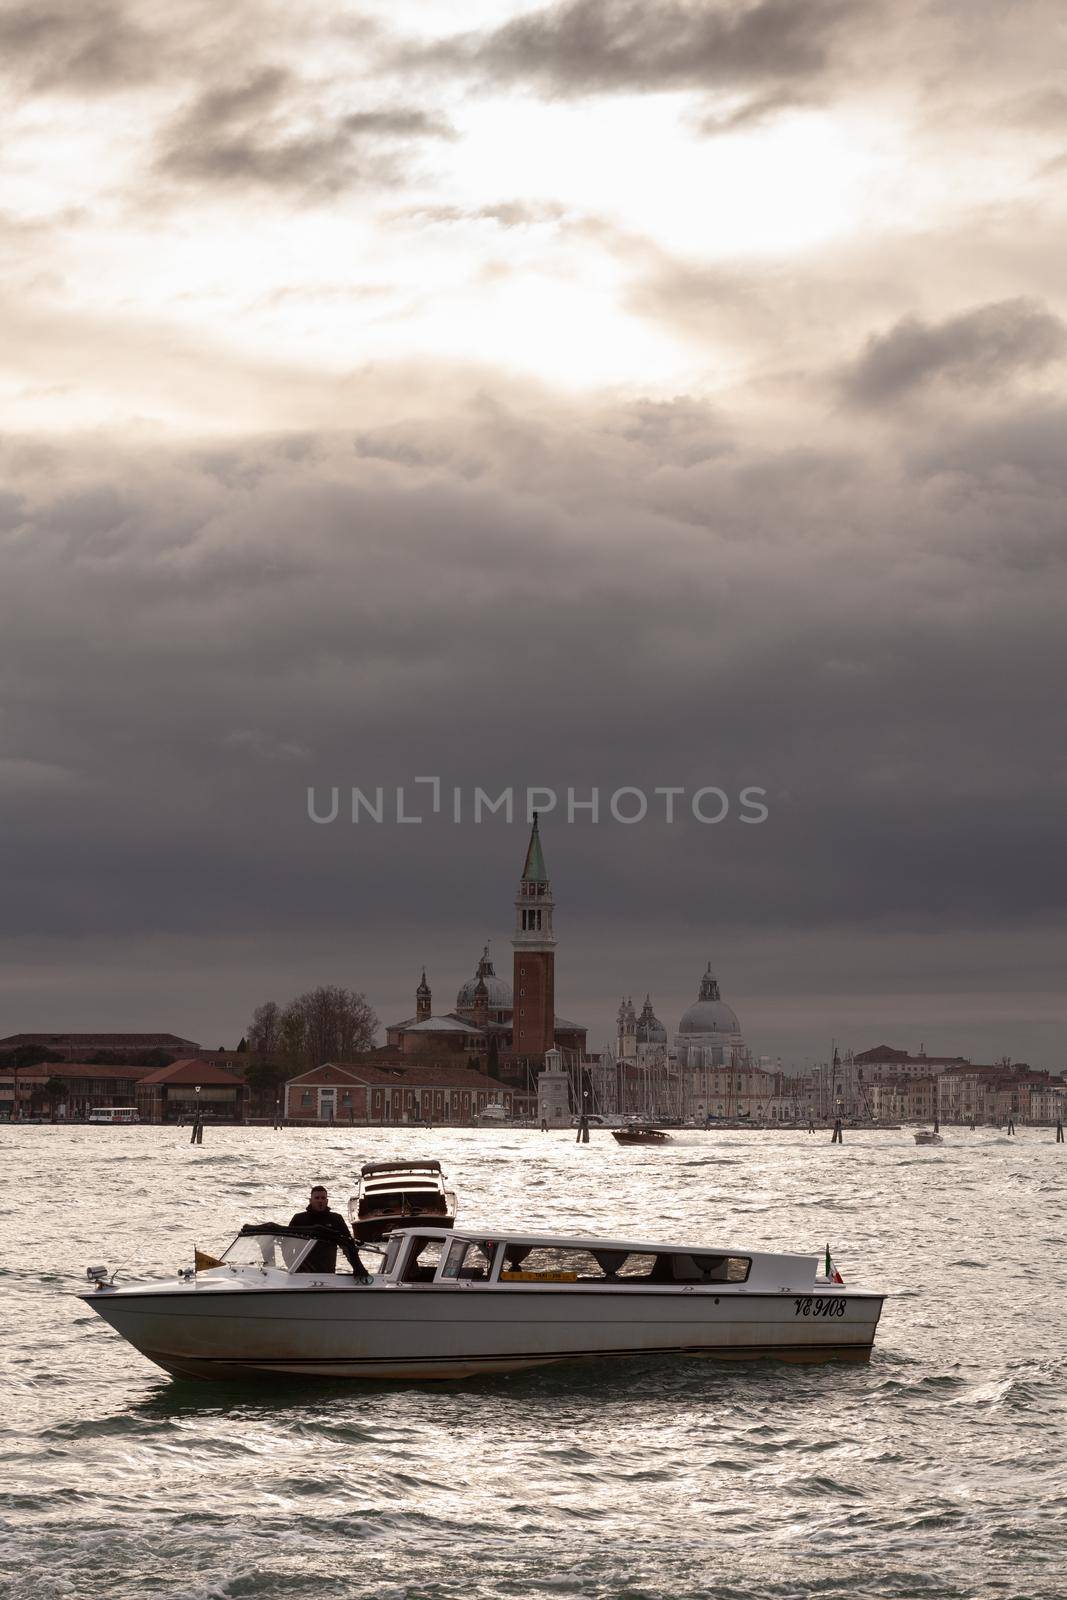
x=548 y=1264
x=710 y=1268
x=423 y=1260
x=472 y=1259
x=631 y=1265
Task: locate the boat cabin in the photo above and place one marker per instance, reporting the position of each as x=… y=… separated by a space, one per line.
x=392 y=1193
x=417 y=1256
x=436 y=1256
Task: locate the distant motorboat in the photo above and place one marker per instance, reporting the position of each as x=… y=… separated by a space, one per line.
x=394 y=1194
x=928 y=1136
x=640 y=1133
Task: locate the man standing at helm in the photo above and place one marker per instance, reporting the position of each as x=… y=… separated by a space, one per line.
x=322 y=1257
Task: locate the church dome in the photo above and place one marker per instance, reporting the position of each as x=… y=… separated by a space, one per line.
x=499 y=992
x=710 y=1014
x=650 y=1029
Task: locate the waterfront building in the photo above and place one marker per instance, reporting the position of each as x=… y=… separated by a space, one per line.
x=174 y=1093
x=910 y=1099
x=993 y=1094
x=82 y=1046
x=845 y=1086
x=402 y=1092
x=84 y=1085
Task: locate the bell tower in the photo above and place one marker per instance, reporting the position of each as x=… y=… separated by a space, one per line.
x=626 y=1042
x=533 y=1027
x=423 y=999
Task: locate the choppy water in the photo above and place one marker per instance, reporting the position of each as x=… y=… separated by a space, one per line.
x=937 y=1471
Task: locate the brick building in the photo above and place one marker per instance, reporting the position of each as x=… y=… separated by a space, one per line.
x=414 y=1092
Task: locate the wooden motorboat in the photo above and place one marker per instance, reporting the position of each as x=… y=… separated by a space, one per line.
x=394 y=1193
x=640 y=1133
x=452 y=1305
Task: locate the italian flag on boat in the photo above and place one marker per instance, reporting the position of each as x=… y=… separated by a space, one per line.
x=832 y=1274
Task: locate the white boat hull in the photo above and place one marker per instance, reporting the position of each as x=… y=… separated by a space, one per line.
x=219 y=1329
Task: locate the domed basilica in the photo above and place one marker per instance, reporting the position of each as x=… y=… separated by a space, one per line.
x=709 y=1034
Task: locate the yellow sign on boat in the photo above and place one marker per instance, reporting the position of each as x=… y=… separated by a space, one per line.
x=539 y=1277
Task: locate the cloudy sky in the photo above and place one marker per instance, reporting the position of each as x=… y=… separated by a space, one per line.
x=585 y=395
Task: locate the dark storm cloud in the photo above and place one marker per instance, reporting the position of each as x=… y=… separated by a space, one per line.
x=87 y=47
x=266 y=131
x=979 y=348
x=611 y=46
x=533 y=592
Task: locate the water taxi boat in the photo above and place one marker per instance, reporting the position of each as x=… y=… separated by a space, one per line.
x=640 y=1133
x=394 y=1193
x=446 y=1305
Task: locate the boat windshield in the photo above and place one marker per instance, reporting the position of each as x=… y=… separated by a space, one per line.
x=267 y=1249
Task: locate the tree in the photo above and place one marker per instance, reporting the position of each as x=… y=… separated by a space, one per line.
x=325 y=1024
x=264 y=1031
x=265 y=1078
x=292 y=1035
x=338 y=1024
x=242 y=1048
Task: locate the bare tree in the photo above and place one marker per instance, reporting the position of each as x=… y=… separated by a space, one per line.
x=338 y=1024
x=292 y=1036
x=264 y=1031
x=325 y=1024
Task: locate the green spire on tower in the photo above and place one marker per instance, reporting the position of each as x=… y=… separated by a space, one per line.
x=534 y=870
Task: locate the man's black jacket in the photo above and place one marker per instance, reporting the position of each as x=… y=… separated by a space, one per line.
x=322 y=1257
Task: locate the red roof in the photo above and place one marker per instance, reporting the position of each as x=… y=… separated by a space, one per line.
x=886 y=1053
x=415 y=1075
x=192 y=1072
x=80 y=1069
x=100 y=1041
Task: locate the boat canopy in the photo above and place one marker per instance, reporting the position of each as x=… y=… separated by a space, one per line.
x=376 y=1169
